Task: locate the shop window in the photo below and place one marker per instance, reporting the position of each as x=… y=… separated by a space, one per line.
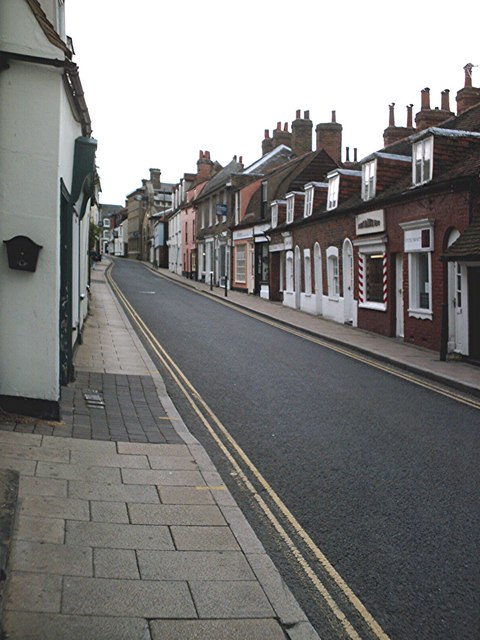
x=241 y=263
x=374 y=277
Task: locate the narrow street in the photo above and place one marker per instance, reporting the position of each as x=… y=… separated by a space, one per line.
x=380 y=473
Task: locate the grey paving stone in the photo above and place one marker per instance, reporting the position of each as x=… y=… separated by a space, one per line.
x=138 y=598
x=109 y=460
x=194 y=565
x=26 y=467
x=216 y=630
x=40 y=529
x=33 y=592
x=154 y=449
x=170 y=514
x=112 y=492
x=42 y=487
x=109 y=512
x=78 y=472
x=201 y=457
x=162 y=477
x=302 y=631
x=116 y=563
x=172 y=462
x=29 y=440
x=22 y=452
x=80 y=445
x=40 y=557
x=43 y=626
x=242 y=530
x=204 y=539
x=54 y=507
x=118 y=536
x=230 y=600
x=185 y=495
x=280 y=596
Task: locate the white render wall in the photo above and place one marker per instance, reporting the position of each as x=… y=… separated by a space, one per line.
x=34 y=155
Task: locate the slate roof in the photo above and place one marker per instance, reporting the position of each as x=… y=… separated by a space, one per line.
x=222 y=176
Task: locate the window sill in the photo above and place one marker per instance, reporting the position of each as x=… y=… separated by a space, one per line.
x=334 y=298
x=376 y=306
x=421 y=314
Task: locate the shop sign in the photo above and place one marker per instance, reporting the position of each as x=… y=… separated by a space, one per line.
x=371 y=222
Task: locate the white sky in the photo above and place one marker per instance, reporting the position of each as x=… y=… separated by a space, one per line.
x=166 y=78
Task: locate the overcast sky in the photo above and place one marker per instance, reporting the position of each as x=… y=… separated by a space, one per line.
x=164 y=79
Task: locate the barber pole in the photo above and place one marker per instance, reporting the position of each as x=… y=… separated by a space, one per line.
x=361 y=277
x=385 y=291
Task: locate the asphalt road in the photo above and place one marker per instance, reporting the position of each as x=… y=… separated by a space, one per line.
x=381 y=473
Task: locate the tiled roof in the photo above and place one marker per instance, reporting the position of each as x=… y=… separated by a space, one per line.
x=222 y=176
x=48 y=28
x=467 y=246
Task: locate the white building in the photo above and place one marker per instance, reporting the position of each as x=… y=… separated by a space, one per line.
x=174 y=242
x=47 y=180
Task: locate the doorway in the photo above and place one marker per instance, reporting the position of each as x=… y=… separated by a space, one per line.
x=399 y=330
x=474 y=313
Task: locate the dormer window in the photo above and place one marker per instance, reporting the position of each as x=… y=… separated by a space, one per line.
x=308 y=206
x=369 y=172
x=263 y=208
x=422 y=161
x=290 y=207
x=333 y=186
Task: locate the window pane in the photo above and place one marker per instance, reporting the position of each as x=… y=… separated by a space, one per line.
x=374 y=278
x=423 y=284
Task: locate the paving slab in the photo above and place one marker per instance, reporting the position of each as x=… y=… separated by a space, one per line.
x=216 y=630
x=41 y=557
x=34 y=486
x=204 y=539
x=43 y=626
x=33 y=592
x=194 y=565
x=16 y=450
x=108 y=492
x=118 y=536
x=109 y=512
x=23 y=439
x=185 y=495
x=55 y=507
x=97 y=459
x=137 y=598
x=40 y=529
x=162 y=477
x=154 y=449
x=172 y=462
x=78 y=472
x=169 y=514
x=120 y=564
x=230 y=599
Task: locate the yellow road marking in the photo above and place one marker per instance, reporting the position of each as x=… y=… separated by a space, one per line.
x=190 y=394
x=220 y=487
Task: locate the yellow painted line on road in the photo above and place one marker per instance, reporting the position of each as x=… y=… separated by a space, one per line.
x=193 y=397
x=221 y=487
x=409 y=377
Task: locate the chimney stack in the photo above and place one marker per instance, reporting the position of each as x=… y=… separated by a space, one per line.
x=204 y=167
x=302 y=133
x=282 y=137
x=267 y=143
x=469 y=95
x=392 y=133
x=329 y=138
x=428 y=117
x=155 y=178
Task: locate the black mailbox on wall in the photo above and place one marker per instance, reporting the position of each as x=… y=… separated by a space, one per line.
x=22 y=253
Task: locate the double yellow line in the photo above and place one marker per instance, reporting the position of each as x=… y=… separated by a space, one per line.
x=233 y=452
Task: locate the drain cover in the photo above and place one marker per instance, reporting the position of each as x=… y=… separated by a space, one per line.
x=94 y=398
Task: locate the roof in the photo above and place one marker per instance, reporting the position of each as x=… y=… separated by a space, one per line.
x=223 y=176
x=47 y=27
x=467 y=246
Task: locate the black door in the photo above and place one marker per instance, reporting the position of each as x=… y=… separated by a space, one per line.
x=474 y=312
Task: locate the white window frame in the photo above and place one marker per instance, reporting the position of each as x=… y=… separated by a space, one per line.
x=333 y=190
x=307 y=267
x=290 y=207
x=274 y=215
x=237 y=206
x=333 y=273
x=422 y=161
x=239 y=267
x=414 y=308
x=308 y=205
x=369 y=179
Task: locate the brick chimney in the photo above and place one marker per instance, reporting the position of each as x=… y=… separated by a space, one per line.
x=267 y=143
x=282 y=136
x=329 y=138
x=428 y=117
x=392 y=133
x=155 y=178
x=302 y=133
x=469 y=95
x=204 y=167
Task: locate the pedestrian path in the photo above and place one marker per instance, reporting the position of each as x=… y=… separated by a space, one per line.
x=453 y=372
x=124 y=529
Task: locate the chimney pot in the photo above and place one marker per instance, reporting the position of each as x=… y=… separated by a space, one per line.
x=468 y=74
x=306 y=115
x=446 y=100
x=409 y=116
x=355 y=154
x=267 y=134
x=279 y=126
x=298 y=114
x=347 y=154
x=425 y=98
x=391 y=117
x=334 y=116
x=285 y=126
x=240 y=160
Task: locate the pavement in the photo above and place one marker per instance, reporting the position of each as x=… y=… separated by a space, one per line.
x=122 y=527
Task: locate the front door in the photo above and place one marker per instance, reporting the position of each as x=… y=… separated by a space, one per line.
x=347 y=282
x=399 y=294
x=474 y=312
